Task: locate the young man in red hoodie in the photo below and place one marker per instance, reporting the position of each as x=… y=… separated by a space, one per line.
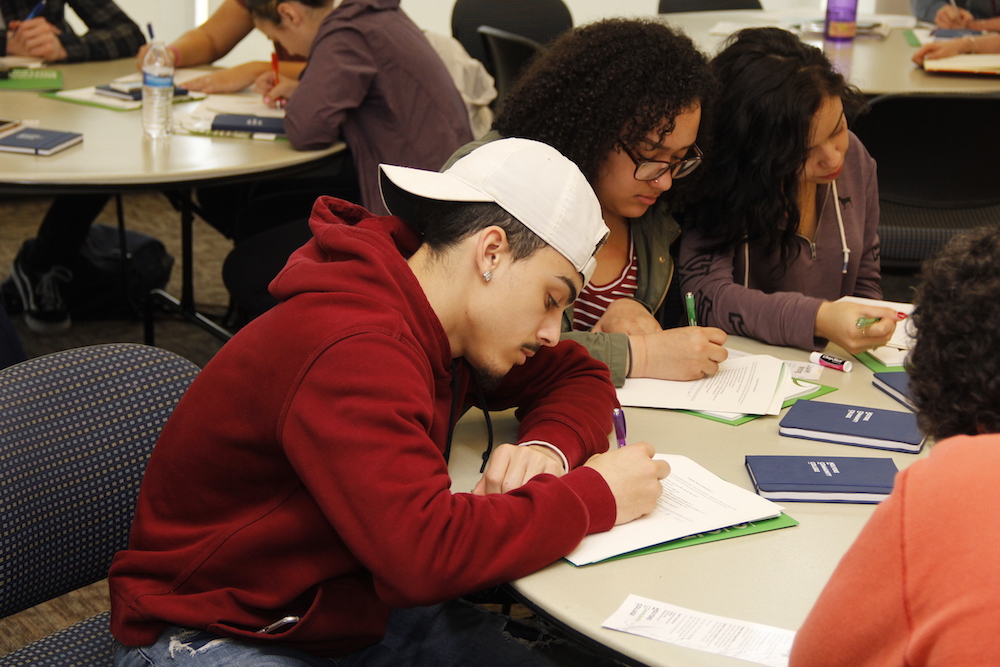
x=298 y=508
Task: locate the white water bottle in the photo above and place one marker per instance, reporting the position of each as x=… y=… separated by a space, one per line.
x=157 y=89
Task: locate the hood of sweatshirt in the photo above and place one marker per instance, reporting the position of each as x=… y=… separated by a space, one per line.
x=356 y=253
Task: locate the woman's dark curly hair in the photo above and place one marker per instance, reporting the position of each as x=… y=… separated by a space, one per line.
x=772 y=85
x=603 y=84
x=954 y=365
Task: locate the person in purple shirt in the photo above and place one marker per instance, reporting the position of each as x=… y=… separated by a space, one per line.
x=785 y=221
x=373 y=80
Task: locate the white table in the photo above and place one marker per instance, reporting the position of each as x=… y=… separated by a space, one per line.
x=771 y=578
x=876 y=66
x=116 y=157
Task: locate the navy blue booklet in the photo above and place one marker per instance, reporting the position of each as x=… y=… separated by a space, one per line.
x=38 y=141
x=825 y=479
x=134 y=92
x=247 y=124
x=853 y=425
x=896 y=384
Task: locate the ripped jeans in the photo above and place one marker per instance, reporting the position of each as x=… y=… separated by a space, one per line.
x=455 y=633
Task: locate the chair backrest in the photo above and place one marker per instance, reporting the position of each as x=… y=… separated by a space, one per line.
x=671 y=6
x=508 y=54
x=538 y=20
x=935 y=151
x=76 y=430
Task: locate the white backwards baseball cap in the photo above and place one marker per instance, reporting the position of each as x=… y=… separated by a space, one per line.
x=532 y=181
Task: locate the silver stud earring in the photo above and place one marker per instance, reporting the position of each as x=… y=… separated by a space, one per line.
x=488 y=276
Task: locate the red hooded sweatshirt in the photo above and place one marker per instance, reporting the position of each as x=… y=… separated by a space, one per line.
x=303 y=473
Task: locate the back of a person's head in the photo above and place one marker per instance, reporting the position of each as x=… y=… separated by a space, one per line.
x=267 y=10
x=954 y=365
x=604 y=83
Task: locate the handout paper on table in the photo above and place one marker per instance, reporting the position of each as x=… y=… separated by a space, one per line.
x=753 y=642
x=21 y=61
x=248 y=105
x=181 y=76
x=694 y=500
x=743 y=384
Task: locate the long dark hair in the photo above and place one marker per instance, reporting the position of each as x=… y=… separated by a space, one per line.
x=771 y=86
x=609 y=82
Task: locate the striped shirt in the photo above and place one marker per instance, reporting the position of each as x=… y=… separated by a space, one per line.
x=595 y=299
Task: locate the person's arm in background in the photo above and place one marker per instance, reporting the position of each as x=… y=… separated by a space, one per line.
x=110 y=33
x=682 y=353
x=953 y=47
x=212 y=40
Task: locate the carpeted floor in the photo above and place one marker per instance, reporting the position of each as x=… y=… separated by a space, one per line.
x=150 y=213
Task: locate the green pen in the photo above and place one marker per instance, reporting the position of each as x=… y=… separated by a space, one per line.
x=689 y=302
x=865 y=322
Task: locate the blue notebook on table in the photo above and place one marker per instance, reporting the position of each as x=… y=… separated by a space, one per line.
x=38 y=141
x=247 y=124
x=853 y=425
x=825 y=479
x=896 y=384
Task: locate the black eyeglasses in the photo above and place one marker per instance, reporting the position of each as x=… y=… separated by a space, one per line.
x=648 y=170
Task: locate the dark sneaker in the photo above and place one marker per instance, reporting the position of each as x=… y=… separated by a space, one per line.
x=45 y=310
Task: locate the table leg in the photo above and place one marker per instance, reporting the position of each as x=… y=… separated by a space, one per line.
x=185 y=306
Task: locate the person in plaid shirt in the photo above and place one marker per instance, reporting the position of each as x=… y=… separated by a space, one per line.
x=110 y=32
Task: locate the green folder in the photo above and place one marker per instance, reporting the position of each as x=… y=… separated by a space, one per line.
x=29 y=78
x=781 y=521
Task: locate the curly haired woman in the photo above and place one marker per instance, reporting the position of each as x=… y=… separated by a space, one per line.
x=785 y=223
x=623 y=99
x=918 y=587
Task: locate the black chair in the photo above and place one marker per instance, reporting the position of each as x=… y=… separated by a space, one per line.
x=76 y=430
x=936 y=172
x=672 y=6
x=508 y=54
x=538 y=20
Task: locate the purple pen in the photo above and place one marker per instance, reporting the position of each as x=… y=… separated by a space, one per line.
x=618 y=416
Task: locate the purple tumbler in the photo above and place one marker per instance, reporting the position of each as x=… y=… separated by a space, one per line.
x=841 y=19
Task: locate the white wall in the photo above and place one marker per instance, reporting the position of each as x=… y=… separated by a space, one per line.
x=435 y=15
x=170 y=18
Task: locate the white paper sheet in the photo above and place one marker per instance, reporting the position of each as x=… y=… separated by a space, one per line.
x=181 y=76
x=694 y=500
x=754 y=642
x=744 y=384
x=241 y=104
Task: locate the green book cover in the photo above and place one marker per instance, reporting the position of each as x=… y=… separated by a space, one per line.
x=29 y=78
x=875 y=365
x=782 y=521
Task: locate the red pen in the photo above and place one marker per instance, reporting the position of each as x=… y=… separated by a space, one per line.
x=279 y=102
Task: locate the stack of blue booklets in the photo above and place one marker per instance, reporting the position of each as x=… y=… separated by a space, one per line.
x=853 y=425
x=896 y=384
x=826 y=479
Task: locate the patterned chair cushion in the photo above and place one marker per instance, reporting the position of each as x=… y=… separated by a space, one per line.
x=76 y=430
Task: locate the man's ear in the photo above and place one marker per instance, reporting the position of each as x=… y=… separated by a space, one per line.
x=492 y=250
x=290 y=13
